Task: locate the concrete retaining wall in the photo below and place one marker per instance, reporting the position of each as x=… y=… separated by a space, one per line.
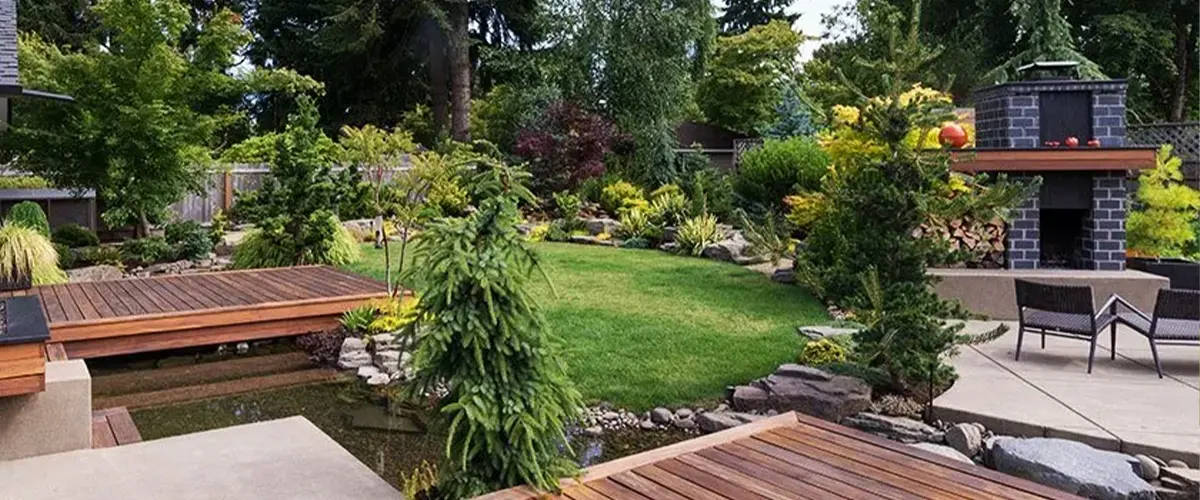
x=991 y=292
x=55 y=420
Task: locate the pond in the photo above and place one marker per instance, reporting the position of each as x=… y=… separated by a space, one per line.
x=328 y=406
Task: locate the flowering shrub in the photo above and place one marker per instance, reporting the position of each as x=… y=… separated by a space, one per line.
x=567 y=148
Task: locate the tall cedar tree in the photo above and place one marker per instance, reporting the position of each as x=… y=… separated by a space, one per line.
x=741 y=15
x=485 y=339
x=295 y=214
x=1045 y=35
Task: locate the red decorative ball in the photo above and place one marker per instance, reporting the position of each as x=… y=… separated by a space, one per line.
x=1094 y=143
x=953 y=135
x=1072 y=142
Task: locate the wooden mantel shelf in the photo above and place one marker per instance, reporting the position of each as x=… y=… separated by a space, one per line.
x=1053 y=159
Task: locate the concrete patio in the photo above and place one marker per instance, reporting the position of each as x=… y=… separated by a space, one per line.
x=1121 y=406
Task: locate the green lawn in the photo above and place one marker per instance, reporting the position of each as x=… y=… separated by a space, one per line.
x=644 y=328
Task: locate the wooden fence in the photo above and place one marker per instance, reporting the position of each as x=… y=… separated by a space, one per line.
x=222 y=187
x=1184 y=136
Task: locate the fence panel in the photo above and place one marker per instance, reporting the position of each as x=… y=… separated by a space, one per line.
x=1184 y=136
x=219 y=190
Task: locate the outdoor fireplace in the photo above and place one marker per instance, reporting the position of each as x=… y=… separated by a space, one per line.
x=1077 y=219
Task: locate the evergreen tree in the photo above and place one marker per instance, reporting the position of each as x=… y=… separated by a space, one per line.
x=793 y=117
x=1044 y=35
x=295 y=218
x=741 y=15
x=746 y=76
x=486 y=341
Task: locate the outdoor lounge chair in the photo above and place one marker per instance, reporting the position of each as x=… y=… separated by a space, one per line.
x=1176 y=320
x=1061 y=311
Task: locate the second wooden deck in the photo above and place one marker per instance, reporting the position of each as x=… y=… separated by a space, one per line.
x=137 y=315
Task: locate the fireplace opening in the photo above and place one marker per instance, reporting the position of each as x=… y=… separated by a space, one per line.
x=1061 y=234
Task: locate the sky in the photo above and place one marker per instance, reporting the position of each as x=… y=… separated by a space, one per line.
x=810 y=20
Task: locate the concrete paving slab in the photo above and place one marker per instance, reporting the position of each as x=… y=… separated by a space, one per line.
x=1121 y=405
x=281 y=459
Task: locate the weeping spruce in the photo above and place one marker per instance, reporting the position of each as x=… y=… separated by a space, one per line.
x=509 y=395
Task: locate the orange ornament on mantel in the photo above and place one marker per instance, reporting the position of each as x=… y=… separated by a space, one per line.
x=952 y=135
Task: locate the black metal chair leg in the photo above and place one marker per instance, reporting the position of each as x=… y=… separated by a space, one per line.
x=1113 y=330
x=1154 y=351
x=1092 y=353
x=1043 y=339
x=1020 y=336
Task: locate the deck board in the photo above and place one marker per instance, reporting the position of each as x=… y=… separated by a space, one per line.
x=794 y=457
x=113 y=427
x=145 y=314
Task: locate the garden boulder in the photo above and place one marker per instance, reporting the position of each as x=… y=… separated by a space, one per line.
x=905 y=430
x=715 y=421
x=1072 y=467
x=944 y=451
x=734 y=249
x=601 y=225
x=807 y=390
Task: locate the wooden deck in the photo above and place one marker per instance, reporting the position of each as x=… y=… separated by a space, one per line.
x=788 y=457
x=113 y=427
x=136 y=315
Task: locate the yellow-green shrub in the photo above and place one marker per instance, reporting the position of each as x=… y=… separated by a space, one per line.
x=538 y=232
x=622 y=195
x=822 y=352
x=1161 y=223
x=696 y=233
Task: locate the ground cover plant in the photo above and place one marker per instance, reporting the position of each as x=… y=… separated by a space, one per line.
x=643 y=328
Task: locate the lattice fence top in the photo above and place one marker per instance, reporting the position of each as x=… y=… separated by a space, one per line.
x=741 y=146
x=1185 y=136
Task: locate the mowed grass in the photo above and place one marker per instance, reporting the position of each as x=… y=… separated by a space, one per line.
x=642 y=328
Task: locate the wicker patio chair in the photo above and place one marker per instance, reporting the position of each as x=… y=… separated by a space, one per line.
x=1176 y=320
x=1061 y=311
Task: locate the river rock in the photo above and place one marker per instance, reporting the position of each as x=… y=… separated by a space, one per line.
x=685 y=423
x=807 y=390
x=103 y=272
x=715 y=421
x=367 y=371
x=965 y=438
x=379 y=379
x=1072 y=467
x=1146 y=468
x=683 y=413
x=944 y=451
x=901 y=429
x=1177 y=463
x=660 y=416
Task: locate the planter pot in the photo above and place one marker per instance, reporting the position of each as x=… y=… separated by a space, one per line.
x=1184 y=274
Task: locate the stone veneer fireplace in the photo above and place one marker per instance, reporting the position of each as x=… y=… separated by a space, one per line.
x=1077 y=220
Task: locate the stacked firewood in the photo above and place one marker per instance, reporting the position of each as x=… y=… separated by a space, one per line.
x=982 y=241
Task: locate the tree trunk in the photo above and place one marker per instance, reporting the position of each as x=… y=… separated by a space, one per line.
x=460 y=72
x=1183 y=62
x=439 y=92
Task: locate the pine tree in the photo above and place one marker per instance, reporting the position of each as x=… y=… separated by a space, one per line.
x=509 y=396
x=1044 y=35
x=296 y=219
x=793 y=117
x=741 y=15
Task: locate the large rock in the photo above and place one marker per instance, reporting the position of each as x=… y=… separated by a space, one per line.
x=807 y=390
x=818 y=332
x=901 y=429
x=966 y=438
x=601 y=225
x=944 y=451
x=715 y=421
x=1072 y=467
x=729 y=250
x=103 y=272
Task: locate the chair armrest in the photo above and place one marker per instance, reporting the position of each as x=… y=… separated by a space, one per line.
x=1114 y=300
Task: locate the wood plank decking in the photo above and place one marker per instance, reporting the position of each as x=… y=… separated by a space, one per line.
x=789 y=456
x=113 y=427
x=136 y=315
